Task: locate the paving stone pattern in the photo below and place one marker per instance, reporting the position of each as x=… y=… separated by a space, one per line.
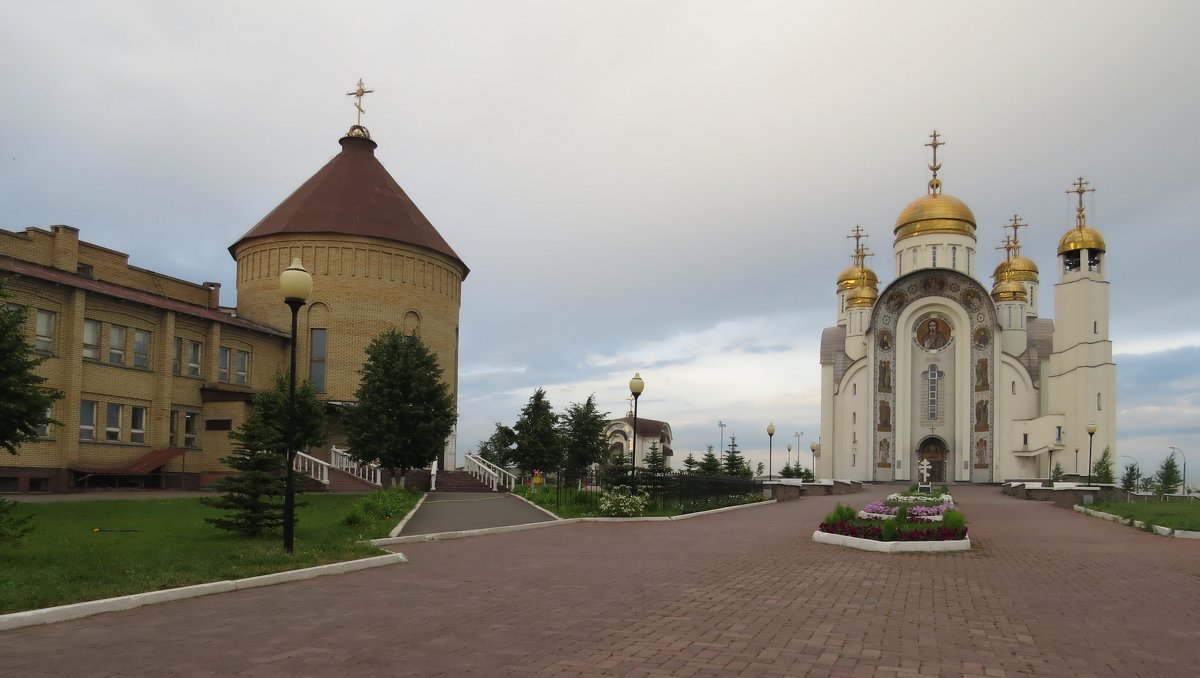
x=1044 y=592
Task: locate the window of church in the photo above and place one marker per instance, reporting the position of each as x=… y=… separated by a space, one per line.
x=933 y=254
x=1071 y=262
x=933 y=376
x=316 y=359
x=899 y=265
x=914 y=257
x=1014 y=388
x=954 y=257
x=1098 y=408
x=1095 y=327
x=1093 y=261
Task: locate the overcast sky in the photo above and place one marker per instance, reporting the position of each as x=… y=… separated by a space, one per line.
x=661 y=187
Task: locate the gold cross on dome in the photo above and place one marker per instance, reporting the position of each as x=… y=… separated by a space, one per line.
x=1080 y=188
x=1007 y=247
x=358 y=94
x=935 y=184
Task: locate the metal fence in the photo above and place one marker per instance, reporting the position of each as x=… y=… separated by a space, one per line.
x=675 y=492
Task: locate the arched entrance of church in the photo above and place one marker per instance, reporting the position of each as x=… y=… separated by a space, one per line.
x=933 y=450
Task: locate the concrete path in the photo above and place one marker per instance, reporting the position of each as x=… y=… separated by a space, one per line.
x=1044 y=592
x=455 y=511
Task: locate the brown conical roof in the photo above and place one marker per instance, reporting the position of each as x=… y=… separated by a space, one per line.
x=353 y=194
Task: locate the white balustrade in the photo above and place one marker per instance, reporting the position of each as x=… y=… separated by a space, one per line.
x=488 y=473
x=341 y=460
x=312 y=467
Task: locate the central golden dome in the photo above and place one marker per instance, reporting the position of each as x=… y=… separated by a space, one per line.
x=937 y=213
x=1018 y=268
x=861 y=297
x=1009 y=290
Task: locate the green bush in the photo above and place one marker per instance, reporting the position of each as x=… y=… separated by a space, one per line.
x=953 y=519
x=354 y=519
x=12 y=527
x=891 y=529
x=392 y=502
x=901 y=515
x=841 y=513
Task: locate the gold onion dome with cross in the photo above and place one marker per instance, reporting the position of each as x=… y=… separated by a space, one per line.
x=1082 y=237
x=1015 y=267
x=935 y=212
x=859 y=282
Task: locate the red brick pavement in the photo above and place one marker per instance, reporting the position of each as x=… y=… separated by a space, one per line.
x=1044 y=592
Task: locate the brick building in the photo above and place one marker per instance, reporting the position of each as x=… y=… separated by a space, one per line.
x=155 y=373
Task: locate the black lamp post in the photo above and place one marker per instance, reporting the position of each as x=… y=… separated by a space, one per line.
x=770 y=450
x=789 y=461
x=296 y=284
x=635 y=389
x=814 y=446
x=1091 y=429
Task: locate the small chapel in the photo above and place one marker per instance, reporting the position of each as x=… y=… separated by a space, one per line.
x=937 y=368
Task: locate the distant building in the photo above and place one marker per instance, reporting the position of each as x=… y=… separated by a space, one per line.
x=619 y=435
x=938 y=368
x=156 y=373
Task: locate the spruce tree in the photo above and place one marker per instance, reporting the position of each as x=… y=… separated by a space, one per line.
x=1168 y=478
x=1130 y=476
x=1102 y=470
x=734 y=463
x=582 y=433
x=405 y=412
x=539 y=441
x=690 y=464
x=710 y=464
x=655 y=472
x=24 y=401
x=253 y=499
x=1057 y=473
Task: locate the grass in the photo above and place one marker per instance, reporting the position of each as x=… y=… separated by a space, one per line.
x=91 y=550
x=1182 y=515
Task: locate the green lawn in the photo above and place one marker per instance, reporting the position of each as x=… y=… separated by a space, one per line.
x=582 y=504
x=1180 y=515
x=91 y=550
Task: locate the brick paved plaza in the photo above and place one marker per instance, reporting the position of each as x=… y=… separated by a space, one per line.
x=1045 y=592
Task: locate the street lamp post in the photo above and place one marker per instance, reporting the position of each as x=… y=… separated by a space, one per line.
x=635 y=389
x=814 y=446
x=721 y=450
x=296 y=285
x=1091 y=429
x=1183 y=487
x=789 y=461
x=770 y=450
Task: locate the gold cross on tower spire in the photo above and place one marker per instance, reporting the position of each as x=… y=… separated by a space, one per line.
x=1080 y=188
x=1014 y=224
x=1007 y=246
x=935 y=184
x=860 y=253
x=359 y=92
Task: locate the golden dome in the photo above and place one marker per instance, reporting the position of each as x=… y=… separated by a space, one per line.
x=1081 y=238
x=1019 y=268
x=854 y=274
x=1008 y=290
x=861 y=297
x=937 y=213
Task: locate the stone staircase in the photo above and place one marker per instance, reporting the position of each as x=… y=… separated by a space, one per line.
x=340 y=481
x=459 y=481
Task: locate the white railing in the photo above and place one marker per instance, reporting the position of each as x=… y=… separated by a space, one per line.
x=312 y=467
x=489 y=474
x=341 y=460
x=433 y=475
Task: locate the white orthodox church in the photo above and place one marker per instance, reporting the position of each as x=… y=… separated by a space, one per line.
x=935 y=368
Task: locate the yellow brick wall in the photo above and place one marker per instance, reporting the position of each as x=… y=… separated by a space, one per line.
x=361 y=288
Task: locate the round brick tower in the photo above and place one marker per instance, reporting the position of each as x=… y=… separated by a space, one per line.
x=376 y=261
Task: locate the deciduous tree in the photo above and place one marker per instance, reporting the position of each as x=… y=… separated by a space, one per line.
x=24 y=401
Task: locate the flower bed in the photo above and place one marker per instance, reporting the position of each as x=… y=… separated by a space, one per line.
x=910 y=498
x=845 y=521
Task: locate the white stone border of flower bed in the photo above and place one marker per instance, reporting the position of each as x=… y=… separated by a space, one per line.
x=892 y=546
x=1158 y=529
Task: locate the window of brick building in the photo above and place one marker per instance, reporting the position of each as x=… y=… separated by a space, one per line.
x=316 y=361
x=195 y=349
x=191 y=421
x=223 y=364
x=141 y=348
x=112 y=423
x=137 y=424
x=176 y=355
x=44 y=340
x=116 y=344
x=91 y=339
x=87 y=420
x=241 y=367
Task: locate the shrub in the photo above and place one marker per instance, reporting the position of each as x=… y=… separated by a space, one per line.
x=354 y=519
x=13 y=528
x=953 y=520
x=387 y=503
x=901 y=515
x=891 y=530
x=841 y=513
x=620 y=502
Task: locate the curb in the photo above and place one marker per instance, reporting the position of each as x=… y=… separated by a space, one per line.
x=404 y=521
x=540 y=508
x=442 y=536
x=1156 y=529
x=60 y=613
x=892 y=546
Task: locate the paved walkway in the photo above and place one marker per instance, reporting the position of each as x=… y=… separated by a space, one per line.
x=1044 y=592
x=455 y=511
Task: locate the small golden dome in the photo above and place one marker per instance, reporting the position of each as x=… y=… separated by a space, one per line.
x=1008 y=290
x=1081 y=238
x=854 y=274
x=1019 y=268
x=938 y=213
x=861 y=297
